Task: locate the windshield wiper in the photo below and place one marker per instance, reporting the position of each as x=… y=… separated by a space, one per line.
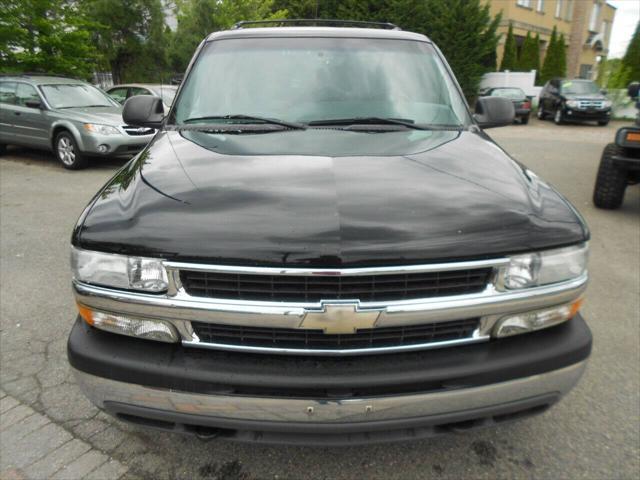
x=380 y=121
x=272 y=121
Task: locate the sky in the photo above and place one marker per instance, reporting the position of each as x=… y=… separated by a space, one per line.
x=624 y=24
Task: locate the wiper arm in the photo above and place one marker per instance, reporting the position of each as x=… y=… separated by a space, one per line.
x=366 y=121
x=382 y=121
x=272 y=121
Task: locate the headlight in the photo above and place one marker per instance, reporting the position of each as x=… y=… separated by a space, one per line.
x=607 y=104
x=573 y=104
x=101 y=129
x=543 y=268
x=118 y=271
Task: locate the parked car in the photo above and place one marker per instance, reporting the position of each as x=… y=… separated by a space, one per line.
x=620 y=161
x=326 y=248
x=120 y=93
x=574 y=100
x=521 y=103
x=69 y=117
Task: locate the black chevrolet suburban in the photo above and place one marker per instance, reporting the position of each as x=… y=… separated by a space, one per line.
x=321 y=245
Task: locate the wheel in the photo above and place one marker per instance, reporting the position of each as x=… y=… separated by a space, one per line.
x=558 y=118
x=67 y=152
x=611 y=181
x=540 y=114
x=524 y=120
x=603 y=123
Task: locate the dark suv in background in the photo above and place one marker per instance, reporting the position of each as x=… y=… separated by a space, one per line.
x=574 y=100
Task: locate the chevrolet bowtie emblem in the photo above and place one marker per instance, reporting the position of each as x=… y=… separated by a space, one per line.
x=336 y=318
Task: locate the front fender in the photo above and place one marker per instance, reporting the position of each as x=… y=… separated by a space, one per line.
x=71 y=127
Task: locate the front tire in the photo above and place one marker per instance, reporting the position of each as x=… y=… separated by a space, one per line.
x=67 y=152
x=611 y=181
x=558 y=118
x=540 y=113
x=524 y=120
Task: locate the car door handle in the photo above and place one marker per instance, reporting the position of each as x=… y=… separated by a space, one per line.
x=16 y=113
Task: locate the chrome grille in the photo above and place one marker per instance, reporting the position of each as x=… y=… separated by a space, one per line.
x=300 y=339
x=365 y=288
x=137 y=131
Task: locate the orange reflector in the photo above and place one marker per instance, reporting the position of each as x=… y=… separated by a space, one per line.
x=633 y=136
x=575 y=307
x=85 y=313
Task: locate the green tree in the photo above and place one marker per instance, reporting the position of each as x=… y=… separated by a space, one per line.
x=631 y=59
x=529 y=56
x=536 y=65
x=132 y=36
x=555 y=61
x=49 y=36
x=510 y=55
x=198 y=18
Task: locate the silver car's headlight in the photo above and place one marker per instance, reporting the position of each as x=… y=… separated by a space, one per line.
x=543 y=268
x=572 y=103
x=101 y=129
x=119 y=271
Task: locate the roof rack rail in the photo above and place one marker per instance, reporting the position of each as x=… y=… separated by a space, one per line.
x=317 y=22
x=36 y=74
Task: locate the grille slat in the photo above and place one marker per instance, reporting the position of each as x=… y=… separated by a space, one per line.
x=310 y=339
x=291 y=288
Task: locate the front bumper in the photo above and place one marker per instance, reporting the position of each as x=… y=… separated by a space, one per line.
x=122 y=145
x=276 y=399
x=586 y=115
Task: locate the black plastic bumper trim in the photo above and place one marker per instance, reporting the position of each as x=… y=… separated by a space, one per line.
x=172 y=366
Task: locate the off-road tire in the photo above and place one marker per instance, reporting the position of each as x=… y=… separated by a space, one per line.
x=611 y=181
x=67 y=152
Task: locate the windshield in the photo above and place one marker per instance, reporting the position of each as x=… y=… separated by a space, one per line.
x=75 y=95
x=314 y=79
x=510 y=93
x=167 y=94
x=579 y=88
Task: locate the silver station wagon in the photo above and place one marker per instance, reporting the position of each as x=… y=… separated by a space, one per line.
x=70 y=117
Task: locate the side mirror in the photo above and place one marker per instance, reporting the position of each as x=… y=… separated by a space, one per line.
x=33 y=103
x=633 y=90
x=494 y=112
x=604 y=91
x=143 y=111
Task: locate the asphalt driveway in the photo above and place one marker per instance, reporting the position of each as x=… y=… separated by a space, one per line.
x=48 y=426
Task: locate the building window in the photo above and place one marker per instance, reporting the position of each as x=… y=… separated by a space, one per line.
x=568 y=14
x=558 y=8
x=585 y=72
x=524 y=3
x=595 y=13
x=540 y=6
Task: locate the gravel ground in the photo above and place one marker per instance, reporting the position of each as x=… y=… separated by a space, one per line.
x=594 y=433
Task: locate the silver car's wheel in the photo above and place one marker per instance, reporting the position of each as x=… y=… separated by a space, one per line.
x=67 y=152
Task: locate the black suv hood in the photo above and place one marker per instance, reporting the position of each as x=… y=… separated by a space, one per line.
x=441 y=196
